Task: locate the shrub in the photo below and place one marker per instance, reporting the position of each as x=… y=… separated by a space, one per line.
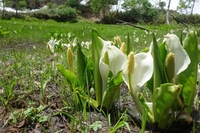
x=73 y=4
x=9 y=15
x=134 y=16
x=31 y=19
x=51 y=5
x=109 y=19
x=190 y=19
x=61 y=14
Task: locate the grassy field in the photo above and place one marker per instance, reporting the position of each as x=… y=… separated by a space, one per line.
x=36 y=92
x=38 y=31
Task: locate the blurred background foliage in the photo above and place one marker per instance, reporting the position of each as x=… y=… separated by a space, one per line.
x=134 y=11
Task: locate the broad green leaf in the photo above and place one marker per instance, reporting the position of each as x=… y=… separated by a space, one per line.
x=68 y=75
x=81 y=66
x=112 y=91
x=96 y=53
x=159 y=75
x=162 y=55
x=163 y=52
x=164 y=97
x=158 y=57
x=188 y=77
x=116 y=80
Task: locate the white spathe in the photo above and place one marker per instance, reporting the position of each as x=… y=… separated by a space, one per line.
x=116 y=59
x=181 y=57
x=143 y=70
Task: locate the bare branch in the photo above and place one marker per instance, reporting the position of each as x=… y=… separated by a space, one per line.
x=179 y=20
x=131 y=24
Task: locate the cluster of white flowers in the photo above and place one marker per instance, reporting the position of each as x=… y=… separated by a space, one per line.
x=86 y=44
x=52 y=43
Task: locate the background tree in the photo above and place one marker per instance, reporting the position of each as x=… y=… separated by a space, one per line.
x=162 y=4
x=3 y=11
x=167 y=12
x=186 y=6
x=101 y=6
x=141 y=10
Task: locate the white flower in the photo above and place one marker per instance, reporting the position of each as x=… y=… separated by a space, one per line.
x=146 y=32
x=181 y=57
x=51 y=44
x=137 y=72
x=85 y=44
x=112 y=59
x=69 y=35
x=66 y=45
x=74 y=42
x=143 y=70
x=136 y=39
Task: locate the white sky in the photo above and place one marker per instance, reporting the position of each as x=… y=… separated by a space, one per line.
x=174 y=4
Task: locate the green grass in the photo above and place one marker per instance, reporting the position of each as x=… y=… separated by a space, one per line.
x=27 y=67
x=38 y=31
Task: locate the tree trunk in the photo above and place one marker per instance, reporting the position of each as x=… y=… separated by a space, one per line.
x=16 y=8
x=3 y=12
x=192 y=7
x=167 y=12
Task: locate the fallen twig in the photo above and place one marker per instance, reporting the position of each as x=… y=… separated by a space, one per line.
x=179 y=20
x=131 y=24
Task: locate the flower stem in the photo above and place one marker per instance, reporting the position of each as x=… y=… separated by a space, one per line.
x=134 y=95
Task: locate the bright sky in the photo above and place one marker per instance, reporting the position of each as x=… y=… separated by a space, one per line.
x=174 y=4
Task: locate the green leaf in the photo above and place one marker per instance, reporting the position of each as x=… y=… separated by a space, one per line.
x=89 y=71
x=81 y=66
x=86 y=98
x=43 y=118
x=116 y=80
x=165 y=95
x=96 y=53
x=68 y=75
x=198 y=55
x=158 y=58
x=145 y=108
x=96 y=125
x=40 y=108
x=119 y=125
x=112 y=91
x=188 y=78
x=163 y=52
x=159 y=72
x=159 y=66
